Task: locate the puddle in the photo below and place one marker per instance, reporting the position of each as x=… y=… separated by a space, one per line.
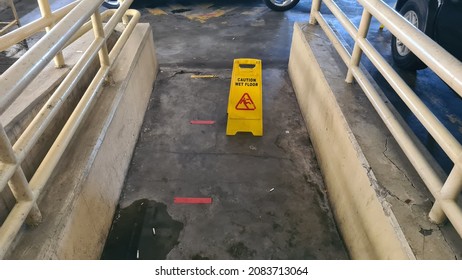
x=179 y=11
x=143 y=230
x=241 y=252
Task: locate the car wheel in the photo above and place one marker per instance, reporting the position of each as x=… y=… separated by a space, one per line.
x=416 y=14
x=114 y=4
x=281 y=5
x=111 y=4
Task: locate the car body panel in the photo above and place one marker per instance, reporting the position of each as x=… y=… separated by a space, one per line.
x=443 y=23
x=448 y=27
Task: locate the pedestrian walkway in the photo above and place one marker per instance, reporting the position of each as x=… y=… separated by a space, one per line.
x=268 y=197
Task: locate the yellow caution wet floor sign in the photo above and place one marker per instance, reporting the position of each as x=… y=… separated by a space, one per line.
x=245 y=105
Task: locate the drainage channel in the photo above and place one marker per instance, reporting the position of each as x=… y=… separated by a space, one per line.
x=268 y=197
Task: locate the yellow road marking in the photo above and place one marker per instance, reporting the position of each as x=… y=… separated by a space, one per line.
x=203 y=76
x=204 y=17
x=157 y=12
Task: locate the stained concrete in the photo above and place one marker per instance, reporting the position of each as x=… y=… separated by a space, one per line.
x=380 y=202
x=195 y=35
x=269 y=200
x=81 y=194
x=435 y=93
x=210 y=34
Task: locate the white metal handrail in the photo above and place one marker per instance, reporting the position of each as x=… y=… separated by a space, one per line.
x=15 y=21
x=449 y=69
x=32 y=28
x=73 y=22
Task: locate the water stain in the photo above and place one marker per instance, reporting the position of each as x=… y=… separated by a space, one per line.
x=199 y=257
x=143 y=230
x=241 y=252
x=277 y=227
x=426 y=232
x=157 y=12
x=179 y=11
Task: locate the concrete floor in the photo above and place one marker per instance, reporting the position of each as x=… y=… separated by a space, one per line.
x=205 y=36
x=206 y=23
x=269 y=201
x=209 y=21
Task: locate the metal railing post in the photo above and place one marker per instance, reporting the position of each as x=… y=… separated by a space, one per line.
x=11 y=23
x=124 y=17
x=18 y=182
x=315 y=6
x=446 y=191
x=45 y=10
x=357 y=51
x=450 y=191
x=22 y=192
x=13 y=9
x=98 y=30
x=15 y=79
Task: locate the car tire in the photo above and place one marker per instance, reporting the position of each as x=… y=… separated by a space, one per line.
x=281 y=7
x=114 y=4
x=416 y=13
x=111 y=4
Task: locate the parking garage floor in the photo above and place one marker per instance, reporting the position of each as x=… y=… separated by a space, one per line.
x=268 y=197
x=254 y=214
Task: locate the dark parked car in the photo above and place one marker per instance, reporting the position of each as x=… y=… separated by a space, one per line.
x=281 y=5
x=441 y=20
x=276 y=5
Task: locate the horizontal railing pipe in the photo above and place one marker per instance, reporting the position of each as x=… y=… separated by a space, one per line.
x=441 y=134
x=71 y=26
x=46 y=115
x=448 y=68
x=38 y=125
x=25 y=31
x=6 y=172
x=50 y=161
x=88 y=26
x=341 y=49
x=445 y=191
x=16 y=78
x=430 y=177
x=342 y=18
x=13 y=224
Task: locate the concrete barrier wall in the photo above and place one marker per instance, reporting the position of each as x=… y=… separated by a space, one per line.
x=367 y=224
x=379 y=202
x=24 y=109
x=83 y=192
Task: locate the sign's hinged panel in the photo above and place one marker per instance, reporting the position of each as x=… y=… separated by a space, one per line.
x=245 y=105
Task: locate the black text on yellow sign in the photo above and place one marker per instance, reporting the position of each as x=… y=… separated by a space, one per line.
x=245 y=111
x=246 y=82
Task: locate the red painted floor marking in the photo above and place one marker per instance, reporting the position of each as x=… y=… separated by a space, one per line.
x=202 y=122
x=192 y=200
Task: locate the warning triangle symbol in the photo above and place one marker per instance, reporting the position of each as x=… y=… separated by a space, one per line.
x=245 y=103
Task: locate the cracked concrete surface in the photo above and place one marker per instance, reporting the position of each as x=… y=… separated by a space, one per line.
x=405 y=196
x=269 y=201
x=188 y=47
x=399 y=184
x=402 y=172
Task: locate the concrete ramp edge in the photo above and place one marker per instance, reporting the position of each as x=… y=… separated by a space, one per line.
x=366 y=221
x=83 y=192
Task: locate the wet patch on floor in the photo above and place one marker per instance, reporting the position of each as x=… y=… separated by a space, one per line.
x=268 y=194
x=199 y=257
x=143 y=230
x=241 y=252
x=179 y=11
